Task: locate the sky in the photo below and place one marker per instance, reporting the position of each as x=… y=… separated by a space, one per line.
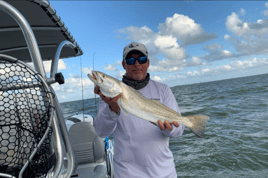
x=188 y=41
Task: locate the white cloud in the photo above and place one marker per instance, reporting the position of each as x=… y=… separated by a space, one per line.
x=167 y=51
x=246 y=30
x=169 y=79
x=158 y=44
x=157 y=78
x=185 y=29
x=249 y=47
x=119 y=74
x=74 y=82
x=213 y=47
x=205 y=70
x=86 y=70
x=143 y=35
x=265 y=12
x=226 y=37
x=174 y=69
x=118 y=63
x=160 y=68
x=47 y=65
x=215 y=54
x=242 y=12
x=56 y=87
x=113 y=67
x=153 y=68
x=250 y=63
x=235 y=25
x=62 y=96
x=234 y=66
x=227 y=53
x=61 y=65
x=266 y=4
x=174 y=79
x=109 y=67
x=138 y=34
x=169 y=47
x=70 y=91
x=194 y=73
x=195 y=61
x=176 y=29
x=72 y=88
x=203 y=74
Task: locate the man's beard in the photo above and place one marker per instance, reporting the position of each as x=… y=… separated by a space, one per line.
x=137 y=78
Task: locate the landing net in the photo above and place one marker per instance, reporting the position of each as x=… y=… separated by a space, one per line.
x=26 y=110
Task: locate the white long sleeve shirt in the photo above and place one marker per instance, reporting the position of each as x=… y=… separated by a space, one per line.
x=141 y=149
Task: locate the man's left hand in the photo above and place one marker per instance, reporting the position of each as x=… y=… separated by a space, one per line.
x=166 y=125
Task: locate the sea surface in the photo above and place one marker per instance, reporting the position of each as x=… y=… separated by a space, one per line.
x=235 y=143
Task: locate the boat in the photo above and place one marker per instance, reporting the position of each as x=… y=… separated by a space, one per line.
x=35 y=140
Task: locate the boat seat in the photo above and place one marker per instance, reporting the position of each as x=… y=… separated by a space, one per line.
x=88 y=148
x=98 y=171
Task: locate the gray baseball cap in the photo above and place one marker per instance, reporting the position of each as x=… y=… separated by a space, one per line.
x=135 y=46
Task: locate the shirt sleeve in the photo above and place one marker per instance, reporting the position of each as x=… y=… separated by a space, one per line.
x=170 y=101
x=105 y=121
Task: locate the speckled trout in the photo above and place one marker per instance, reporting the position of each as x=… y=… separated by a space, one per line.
x=133 y=102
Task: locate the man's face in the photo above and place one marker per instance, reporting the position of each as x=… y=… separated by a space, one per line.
x=137 y=71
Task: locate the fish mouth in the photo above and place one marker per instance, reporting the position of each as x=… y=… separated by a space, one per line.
x=95 y=78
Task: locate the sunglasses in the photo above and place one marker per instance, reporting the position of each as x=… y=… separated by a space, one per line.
x=132 y=61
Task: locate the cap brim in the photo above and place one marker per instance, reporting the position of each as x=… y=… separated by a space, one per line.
x=126 y=53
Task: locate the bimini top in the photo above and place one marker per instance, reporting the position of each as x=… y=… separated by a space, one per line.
x=47 y=26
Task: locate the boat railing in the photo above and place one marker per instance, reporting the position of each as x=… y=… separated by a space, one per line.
x=61 y=143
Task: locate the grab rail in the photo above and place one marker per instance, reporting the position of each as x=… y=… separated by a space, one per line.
x=54 y=64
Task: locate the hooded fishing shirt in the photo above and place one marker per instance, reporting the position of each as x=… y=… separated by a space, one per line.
x=141 y=149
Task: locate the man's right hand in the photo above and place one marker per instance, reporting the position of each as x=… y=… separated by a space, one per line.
x=112 y=102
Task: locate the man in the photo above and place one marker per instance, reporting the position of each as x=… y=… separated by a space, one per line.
x=141 y=150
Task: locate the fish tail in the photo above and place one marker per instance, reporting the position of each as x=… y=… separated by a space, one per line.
x=199 y=124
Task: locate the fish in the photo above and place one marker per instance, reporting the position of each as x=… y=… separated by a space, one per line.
x=133 y=102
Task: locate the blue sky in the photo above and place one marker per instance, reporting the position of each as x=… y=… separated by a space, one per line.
x=188 y=41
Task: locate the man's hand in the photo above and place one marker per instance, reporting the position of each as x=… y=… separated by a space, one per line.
x=166 y=125
x=111 y=102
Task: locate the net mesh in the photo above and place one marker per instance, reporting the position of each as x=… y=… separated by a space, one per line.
x=25 y=110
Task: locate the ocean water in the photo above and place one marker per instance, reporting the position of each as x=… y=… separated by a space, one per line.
x=235 y=143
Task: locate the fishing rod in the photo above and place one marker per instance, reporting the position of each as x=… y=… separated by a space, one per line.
x=95 y=93
x=82 y=89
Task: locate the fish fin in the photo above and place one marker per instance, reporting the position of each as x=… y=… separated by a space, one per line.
x=124 y=111
x=199 y=124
